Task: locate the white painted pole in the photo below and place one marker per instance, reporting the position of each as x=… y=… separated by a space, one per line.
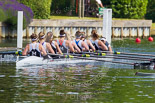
x=20 y=30
x=107 y=24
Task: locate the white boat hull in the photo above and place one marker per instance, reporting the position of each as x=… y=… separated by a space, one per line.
x=33 y=60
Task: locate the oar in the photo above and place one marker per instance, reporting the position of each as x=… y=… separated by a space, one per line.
x=88 y=57
x=104 y=55
x=138 y=54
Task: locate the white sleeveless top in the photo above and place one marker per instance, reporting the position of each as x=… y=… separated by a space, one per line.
x=34 y=46
x=63 y=44
x=95 y=43
x=34 y=49
x=86 y=42
x=53 y=44
x=79 y=44
x=44 y=45
x=63 y=47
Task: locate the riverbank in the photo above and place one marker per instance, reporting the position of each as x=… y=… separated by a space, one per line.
x=121 y=28
x=94 y=18
x=153 y=29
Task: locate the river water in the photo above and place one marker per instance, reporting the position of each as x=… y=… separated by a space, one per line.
x=113 y=83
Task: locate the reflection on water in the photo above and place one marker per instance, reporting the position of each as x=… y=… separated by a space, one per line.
x=74 y=84
x=12 y=42
x=79 y=83
x=67 y=83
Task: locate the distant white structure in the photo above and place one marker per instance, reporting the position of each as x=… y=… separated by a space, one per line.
x=20 y=30
x=107 y=24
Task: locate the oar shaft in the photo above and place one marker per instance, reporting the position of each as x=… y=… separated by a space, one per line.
x=104 y=55
x=88 y=57
x=138 y=54
x=104 y=60
x=11 y=52
x=128 y=56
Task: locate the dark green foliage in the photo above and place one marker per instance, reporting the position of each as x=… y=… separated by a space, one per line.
x=106 y=3
x=8 y=13
x=62 y=7
x=3 y=16
x=40 y=8
x=151 y=10
x=11 y=22
x=134 y=9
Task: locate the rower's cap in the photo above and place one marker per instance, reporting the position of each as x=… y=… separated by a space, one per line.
x=62 y=33
x=103 y=38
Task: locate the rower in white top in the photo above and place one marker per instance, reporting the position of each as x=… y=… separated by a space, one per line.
x=46 y=45
x=103 y=39
x=88 y=42
x=81 y=44
x=53 y=43
x=65 y=45
x=34 y=48
x=98 y=44
x=76 y=48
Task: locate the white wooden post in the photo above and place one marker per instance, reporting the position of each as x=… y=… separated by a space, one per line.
x=20 y=30
x=107 y=24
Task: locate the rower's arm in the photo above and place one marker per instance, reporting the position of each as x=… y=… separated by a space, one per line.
x=25 y=52
x=85 y=46
x=57 y=46
x=41 y=48
x=50 y=48
x=110 y=49
x=102 y=45
x=91 y=45
x=76 y=47
x=69 y=44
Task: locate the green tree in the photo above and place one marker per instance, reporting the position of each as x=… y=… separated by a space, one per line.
x=135 y=9
x=40 y=8
x=8 y=13
x=151 y=10
x=62 y=7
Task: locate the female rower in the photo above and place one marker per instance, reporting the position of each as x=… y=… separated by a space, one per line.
x=46 y=45
x=103 y=39
x=54 y=44
x=96 y=42
x=81 y=44
x=88 y=42
x=34 y=48
x=73 y=44
x=64 y=45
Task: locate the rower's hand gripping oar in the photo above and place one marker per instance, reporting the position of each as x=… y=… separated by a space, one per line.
x=18 y=53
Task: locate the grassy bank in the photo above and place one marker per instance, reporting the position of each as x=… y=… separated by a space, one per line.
x=153 y=25
x=85 y=18
x=91 y=18
x=74 y=17
x=95 y=18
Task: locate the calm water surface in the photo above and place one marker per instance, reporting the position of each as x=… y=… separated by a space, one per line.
x=78 y=83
